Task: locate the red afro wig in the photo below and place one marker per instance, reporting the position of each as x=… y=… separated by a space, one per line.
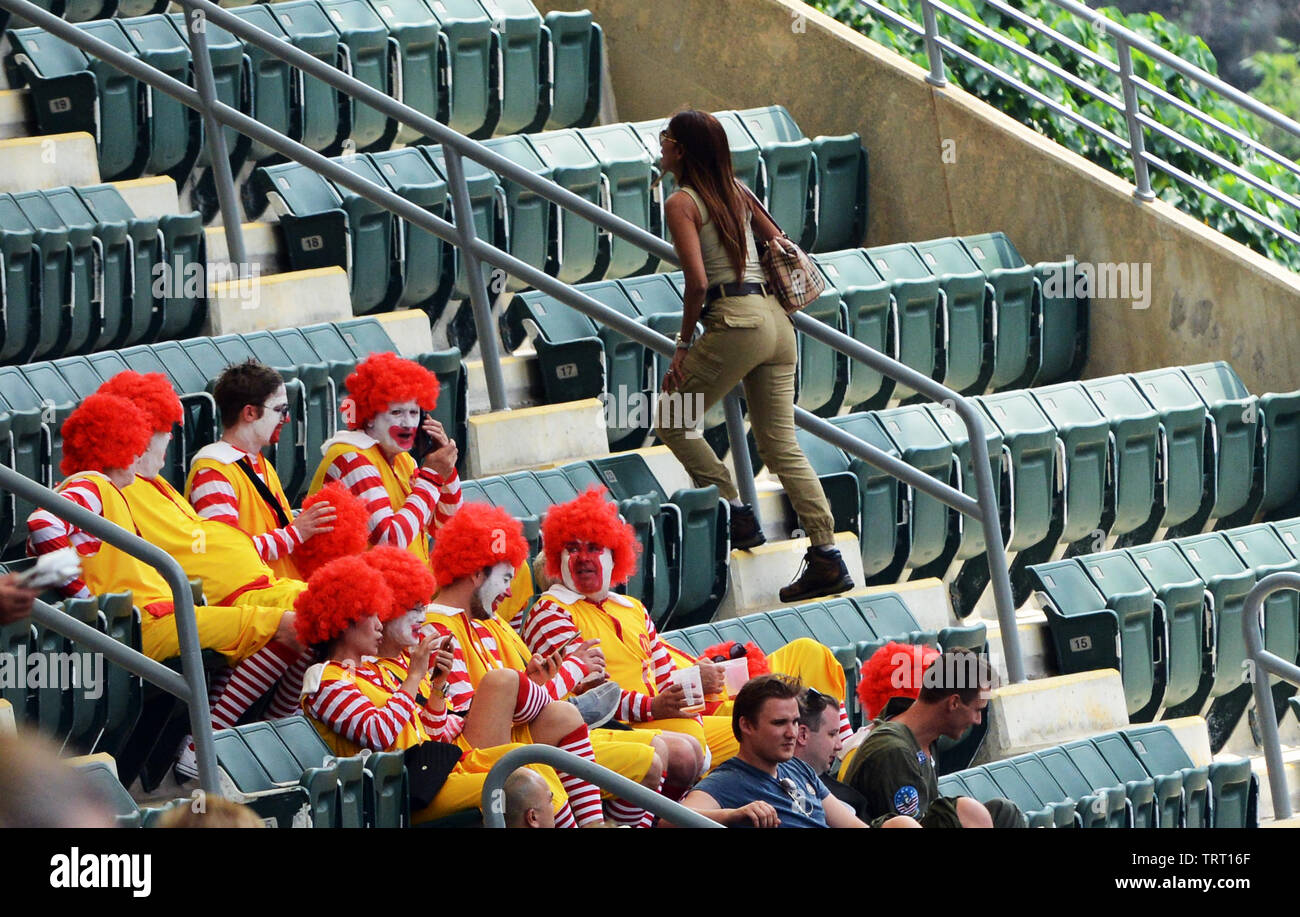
x=338 y=595
x=104 y=432
x=151 y=393
x=477 y=537
x=382 y=379
x=351 y=533
x=894 y=670
x=754 y=656
x=408 y=578
x=592 y=518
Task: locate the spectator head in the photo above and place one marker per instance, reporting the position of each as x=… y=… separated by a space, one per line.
x=215 y=812
x=337 y=613
x=529 y=802
x=819 y=730
x=105 y=433
x=157 y=401
x=350 y=535
x=588 y=546
x=252 y=394
x=386 y=395
x=955 y=689
x=38 y=790
x=694 y=145
x=483 y=543
x=894 y=672
x=411 y=583
x=765 y=717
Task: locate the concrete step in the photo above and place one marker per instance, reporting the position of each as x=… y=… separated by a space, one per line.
x=533 y=437
x=288 y=300
x=52 y=161
x=16 y=118
x=758 y=575
x=1049 y=711
x=1291 y=765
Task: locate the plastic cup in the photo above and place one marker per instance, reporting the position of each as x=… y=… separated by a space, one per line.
x=736 y=672
x=692 y=687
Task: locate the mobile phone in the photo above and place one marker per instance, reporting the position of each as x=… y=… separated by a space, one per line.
x=424 y=443
x=565 y=645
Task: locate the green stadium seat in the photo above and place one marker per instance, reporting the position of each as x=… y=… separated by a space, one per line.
x=124 y=690
x=1279 y=417
x=173 y=131
x=576 y=47
x=526 y=215
x=648 y=133
x=1083 y=441
x=424 y=256
x=520 y=54
x=51 y=280
x=626 y=171
x=1136 y=469
x=692 y=640
x=1161 y=753
x=201 y=424
x=58 y=400
x=227 y=54
x=1034 y=773
x=101 y=774
x=279 y=805
x=1144 y=633
x=879 y=496
x=317 y=118
x=140 y=7
x=469 y=103
x=1235 y=413
x=484 y=195
x=337 y=360
x=966 y=535
x=973 y=637
x=414 y=34
x=73 y=92
x=1013 y=316
x=1263 y=551
x=364 y=36
x=83 y=317
x=1140 y=793
x=374 y=238
x=556 y=484
x=922 y=445
x=274 y=86
x=7 y=500
x=625 y=369
x=1101 y=806
x=746 y=157
x=1183 y=420
x=1234 y=791
x=1168 y=788
x=915 y=311
x=575 y=168
x=1227 y=580
x=981 y=786
x=887 y=615
x=867 y=299
x=968 y=352
x=17 y=637
x=1181 y=593
x=786 y=169
x=570 y=355
x=387 y=800
x=761 y=629
x=20 y=319
x=112 y=272
x=310 y=403
x=1029 y=444
x=822 y=371
x=1040 y=811
x=33 y=440
x=840 y=201
x=321 y=783
x=952 y=786
x=1082 y=628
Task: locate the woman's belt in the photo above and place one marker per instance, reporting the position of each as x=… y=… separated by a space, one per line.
x=723 y=290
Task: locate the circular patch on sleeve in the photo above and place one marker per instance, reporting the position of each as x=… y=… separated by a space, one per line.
x=907 y=801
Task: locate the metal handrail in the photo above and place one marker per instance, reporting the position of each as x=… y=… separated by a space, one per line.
x=1261 y=660
x=1125 y=40
x=191 y=685
x=492 y=801
x=462 y=234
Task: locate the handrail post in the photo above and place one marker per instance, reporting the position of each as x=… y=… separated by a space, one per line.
x=487 y=335
x=1136 y=147
x=215 y=138
x=1263 y=663
x=936 y=76
x=740 y=452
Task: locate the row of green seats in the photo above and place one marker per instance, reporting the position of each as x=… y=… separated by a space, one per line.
x=35 y=399
x=477 y=66
x=83 y=273
x=684 y=538
x=1167 y=616
x=1134 y=778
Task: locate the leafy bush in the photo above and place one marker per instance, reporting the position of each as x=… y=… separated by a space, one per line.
x=1083 y=141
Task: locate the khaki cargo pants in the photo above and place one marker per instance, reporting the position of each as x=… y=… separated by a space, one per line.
x=747 y=339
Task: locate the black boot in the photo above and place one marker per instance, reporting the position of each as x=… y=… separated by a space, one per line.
x=745 y=532
x=823 y=573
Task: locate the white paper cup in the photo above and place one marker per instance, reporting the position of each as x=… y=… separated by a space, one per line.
x=736 y=672
x=692 y=687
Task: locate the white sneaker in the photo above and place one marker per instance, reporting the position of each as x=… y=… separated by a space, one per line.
x=187 y=761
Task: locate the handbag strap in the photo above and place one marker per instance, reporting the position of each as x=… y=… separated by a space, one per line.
x=246 y=466
x=759 y=204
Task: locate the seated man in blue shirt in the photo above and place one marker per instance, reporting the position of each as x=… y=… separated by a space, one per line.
x=765 y=785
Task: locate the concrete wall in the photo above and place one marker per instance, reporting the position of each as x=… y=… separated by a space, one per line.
x=944 y=163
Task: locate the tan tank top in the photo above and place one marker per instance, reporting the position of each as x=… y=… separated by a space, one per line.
x=717 y=264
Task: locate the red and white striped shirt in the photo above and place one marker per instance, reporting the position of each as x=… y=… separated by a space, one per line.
x=549 y=626
x=50 y=533
x=214 y=497
x=430 y=504
x=346 y=710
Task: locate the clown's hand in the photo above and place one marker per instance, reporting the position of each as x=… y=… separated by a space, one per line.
x=713 y=678
x=668 y=704
x=541 y=669
x=316 y=520
x=442 y=460
x=441 y=661
x=589 y=654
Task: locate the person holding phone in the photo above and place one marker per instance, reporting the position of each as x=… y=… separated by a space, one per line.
x=385 y=413
x=748 y=339
x=15 y=599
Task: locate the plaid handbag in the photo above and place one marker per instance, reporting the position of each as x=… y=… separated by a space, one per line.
x=790 y=273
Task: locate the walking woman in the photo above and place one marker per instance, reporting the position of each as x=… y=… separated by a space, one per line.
x=748 y=338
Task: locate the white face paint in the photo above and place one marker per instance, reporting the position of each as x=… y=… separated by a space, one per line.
x=149 y=464
x=266 y=429
x=395 y=428
x=405 y=630
x=587 y=572
x=496 y=587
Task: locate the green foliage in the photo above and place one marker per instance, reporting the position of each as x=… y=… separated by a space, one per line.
x=1279 y=88
x=1283 y=81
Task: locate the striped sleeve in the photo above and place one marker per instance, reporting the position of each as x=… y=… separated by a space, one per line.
x=49 y=533
x=549 y=626
x=214 y=498
x=341 y=706
x=659 y=657
x=397 y=527
x=566 y=679
x=460 y=690
x=449 y=497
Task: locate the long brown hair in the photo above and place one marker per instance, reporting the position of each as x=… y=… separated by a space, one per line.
x=706 y=167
